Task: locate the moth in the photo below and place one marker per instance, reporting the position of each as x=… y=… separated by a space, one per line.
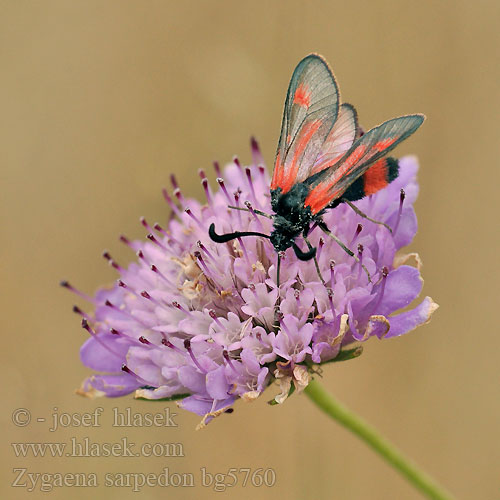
x=324 y=158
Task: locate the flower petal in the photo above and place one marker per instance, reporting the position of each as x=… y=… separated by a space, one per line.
x=402 y=287
x=114 y=385
x=409 y=320
x=217 y=386
x=106 y=353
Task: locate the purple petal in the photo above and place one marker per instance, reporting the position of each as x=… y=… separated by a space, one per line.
x=106 y=353
x=202 y=406
x=217 y=386
x=403 y=285
x=408 y=321
x=192 y=379
x=114 y=385
x=406 y=228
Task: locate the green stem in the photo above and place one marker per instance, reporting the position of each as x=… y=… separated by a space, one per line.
x=370 y=436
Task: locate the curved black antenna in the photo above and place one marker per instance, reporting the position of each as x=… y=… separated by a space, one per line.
x=224 y=238
x=304 y=255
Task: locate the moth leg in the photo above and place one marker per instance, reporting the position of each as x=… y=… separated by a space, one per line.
x=258 y=212
x=277 y=305
x=308 y=243
x=362 y=214
x=325 y=229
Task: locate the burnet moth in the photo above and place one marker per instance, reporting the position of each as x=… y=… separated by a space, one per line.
x=324 y=159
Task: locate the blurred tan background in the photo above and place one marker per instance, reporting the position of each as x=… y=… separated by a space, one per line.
x=100 y=101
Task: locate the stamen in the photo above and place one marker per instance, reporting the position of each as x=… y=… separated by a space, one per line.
x=178 y=306
x=80 y=294
x=187 y=345
x=385 y=273
x=320 y=246
x=217 y=168
x=122 y=284
x=144 y=340
x=257 y=158
x=213 y=315
x=171 y=204
x=359 y=228
x=236 y=161
x=162 y=231
x=250 y=183
x=151 y=237
x=169 y=344
x=203 y=264
x=112 y=262
x=124 y=239
x=127 y=242
x=402 y=196
x=159 y=273
x=208 y=193
x=77 y=310
x=173 y=180
x=126 y=369
x=147 y=296
x=178 y=194
x=109 y=304
x=141 y=256
x=144 y=222
x=203 y=248
x=190 y=213
x=171 y=240
x=86 y=326
x=225 y=354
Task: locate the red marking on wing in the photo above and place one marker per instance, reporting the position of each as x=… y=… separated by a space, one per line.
x=319 y=197
x=324 y=193
x=278 y=173
x=291 y=172
x=350 y=161
x=302 y=96
x=385 y=143
x=375 y=178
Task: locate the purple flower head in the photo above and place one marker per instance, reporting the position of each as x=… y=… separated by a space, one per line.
x=206 y=323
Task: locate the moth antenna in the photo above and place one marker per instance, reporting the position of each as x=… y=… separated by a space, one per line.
x=304 y=255
x=224 y=238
